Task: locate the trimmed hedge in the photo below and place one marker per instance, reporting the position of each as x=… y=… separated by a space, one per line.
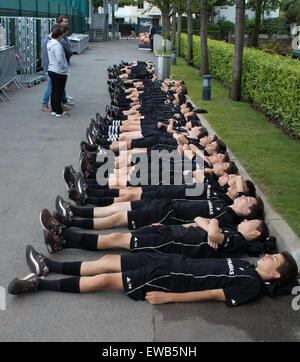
x=270 y=81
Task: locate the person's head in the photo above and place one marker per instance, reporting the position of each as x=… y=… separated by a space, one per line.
x=218 y=157
x=65 y=30
x=181 y=90
x=249 y=207
x=63 y=20
x=281 y=267
x=215 y=146
x=253 y=229
x=181 y=98
x=220 y=168
x=54 y=27
x=57 y=33
x=249 y=189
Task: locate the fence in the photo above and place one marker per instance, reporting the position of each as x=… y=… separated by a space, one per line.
x=77 y=11
x=25 y=34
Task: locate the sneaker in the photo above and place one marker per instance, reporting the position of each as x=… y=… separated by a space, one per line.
x=80 y=199
x=46 y=109
x=69 y=103
x=53 y=114
x=65 y=107
x=49 y=223
x=28 y=284
x=63 y=208
x=61 y=219
x=36 y=261
x=54 y=243
x=88 y=147
x=68 y=176
x=85 y=167
x=69 y=97
x=80 y=184
x=64 y=114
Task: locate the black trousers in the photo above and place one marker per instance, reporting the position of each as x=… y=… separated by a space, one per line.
x=57 y=92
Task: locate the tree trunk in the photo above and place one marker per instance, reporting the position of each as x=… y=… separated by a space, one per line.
x=165 y=24
x=178 y=42
x=173 y=30
x=204 y=50
x=190 y=32
x=258 y=12
x=236 y=84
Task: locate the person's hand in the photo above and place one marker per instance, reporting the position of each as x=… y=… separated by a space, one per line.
x=212 y=244
x=157 y=297
x=160 y=125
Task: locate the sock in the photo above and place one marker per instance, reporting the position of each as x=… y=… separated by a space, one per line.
x=69 y=285
x=82 y=211
x=97 y=201
x=93 y=190
x=71 y=268
x=77 y=240
x=83 y=223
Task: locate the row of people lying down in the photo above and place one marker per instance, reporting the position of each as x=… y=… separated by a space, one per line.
x=185 y=246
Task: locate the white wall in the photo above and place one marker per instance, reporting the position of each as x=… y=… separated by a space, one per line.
x=228 y=12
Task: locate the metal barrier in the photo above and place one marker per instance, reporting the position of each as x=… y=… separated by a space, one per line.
x=8 y=72
x=22 y=32
x=79 y=42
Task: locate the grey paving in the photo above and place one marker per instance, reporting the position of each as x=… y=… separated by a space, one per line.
x=34 y=149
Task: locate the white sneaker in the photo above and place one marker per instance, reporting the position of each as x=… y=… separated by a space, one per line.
x=53 y=114
x=69 y=97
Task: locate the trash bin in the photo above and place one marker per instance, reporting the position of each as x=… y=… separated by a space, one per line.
x=162 y=66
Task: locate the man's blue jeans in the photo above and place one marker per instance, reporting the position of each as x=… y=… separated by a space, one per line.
x=47 y=93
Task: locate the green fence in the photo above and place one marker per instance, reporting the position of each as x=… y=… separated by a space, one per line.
x=77 y=11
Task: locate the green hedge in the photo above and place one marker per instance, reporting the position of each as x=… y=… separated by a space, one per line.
x=270 y=81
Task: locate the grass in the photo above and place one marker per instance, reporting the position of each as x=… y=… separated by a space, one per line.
x=271 y=158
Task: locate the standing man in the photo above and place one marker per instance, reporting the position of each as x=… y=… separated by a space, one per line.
x=45 y=64
x=151 y=34
x=58 y=71
x=63 y=21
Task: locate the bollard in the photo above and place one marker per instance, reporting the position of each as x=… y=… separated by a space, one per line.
x=174 y=57
x=162 y=66
x=206 y=88
x=164 y=45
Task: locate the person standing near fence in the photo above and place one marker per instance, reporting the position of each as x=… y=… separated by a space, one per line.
x=58 y=71
x=45 y=64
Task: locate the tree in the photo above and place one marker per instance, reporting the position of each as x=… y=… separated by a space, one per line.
x=260 y=7
x=173 y=41
x=165 y=6
x=189 y=32
x=180 y=6
x=236 y=84
x=204 y=50
x=96 y=5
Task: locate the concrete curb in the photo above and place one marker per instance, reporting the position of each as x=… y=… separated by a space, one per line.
x=285 y=236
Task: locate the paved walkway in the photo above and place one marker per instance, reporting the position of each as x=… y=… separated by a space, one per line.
x=34 y=149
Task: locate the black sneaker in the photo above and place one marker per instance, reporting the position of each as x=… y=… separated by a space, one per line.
x=53 y=242
x=49 y=223
x=61 y=219
x=80 y=199
x=88 y=147
x=63 y=208
x=80 y=185
x=86 y=168
x=36 y=261
x=69 y=176
x=28 y=284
